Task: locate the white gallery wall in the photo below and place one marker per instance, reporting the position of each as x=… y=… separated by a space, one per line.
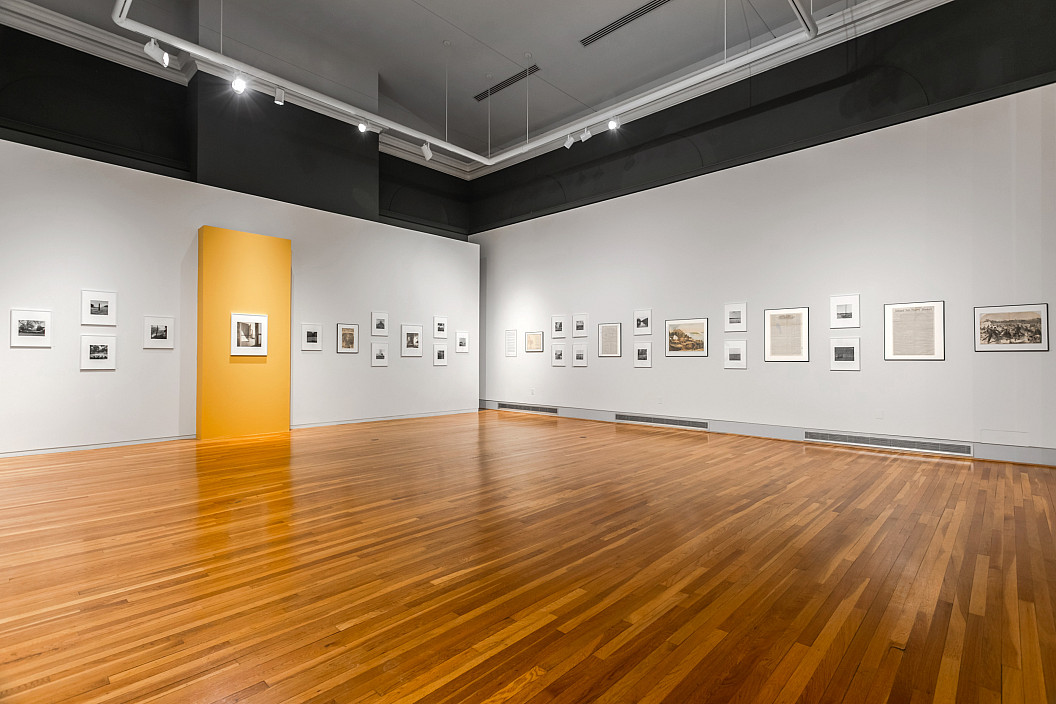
x=68 y=224
x=959 y=207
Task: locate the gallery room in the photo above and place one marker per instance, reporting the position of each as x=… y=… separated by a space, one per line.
x=461 y=351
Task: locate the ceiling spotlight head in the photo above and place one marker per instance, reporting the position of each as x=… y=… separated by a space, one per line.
x=238 y=85
x=156 y=52
x=362 y=127
x=569 y=141
x=585 y=135
x=614 y=123
x=427 y=152
x=280 y=96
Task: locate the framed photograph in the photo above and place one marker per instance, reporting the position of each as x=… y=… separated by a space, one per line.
x=311 y=337
x=249 y=335
x=98 y=352
x=845 y=354
x=843 y=312
x=440 y=327
x=511 y=343
x=347 y=338
x=915 y=331
x=609 y=342
x=379 y=354
x=533 y=341
x=643 y=355
x=379 y=324
x=735 y=317
x=687 y=337
x=579 y=325
x=735 y=354
x=410 y=340
x=643 y=321
x=558 y=355
x=462 y=341
x=159 y=332
x=558 y=326
x=30 y=328
x=440 y=354
x=98 y=308
x=786 y=335
x=579 y=354
x=1022 y=328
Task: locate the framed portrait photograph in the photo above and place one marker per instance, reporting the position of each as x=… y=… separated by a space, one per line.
x=579 y=354
x=735 y=317
x=511 y=343
x=379 y=354
x=30 y=328
x=533 y=341
x=98 y=352
x=915 y=331
x=786 y=335
x=558 y=354
x=410 y=340
x=379 y=324
x=845 y=354
x=843 y=312
x=347 y=338
x=1020 y=328
x=311 y=337
x=440 y=354
x=687 y=337
x=249 y=335
x=643 y=321
x=643 y=355
x=735 y=354
x=609 y=342
x=159 y=332
x=98 y=308
x=579 y=325
x=462 y=341
x=440 y=327
x=558 y=326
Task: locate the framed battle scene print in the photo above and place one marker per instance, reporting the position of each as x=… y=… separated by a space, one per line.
x=643 y=355
x=30 y=328
x=462 y=341
x=533 y=341
x=915 y=331
x=579 y=354
x=558 y=326
x=786 y=335
x=1022 y=328
x=609 y=342
x=843 y=312
x=845 y=354
x=249 y=335
x=379 y=324
x=311 y=337
x=558 y=355
x=579 y=325
x=410 y=340
x=98 y=308
x=347 y=338
x=735 y=354
x=98 y=352
x=159 y=332
x=735 y=317
x=687 y=337
x=643 y=321
x=379 y=354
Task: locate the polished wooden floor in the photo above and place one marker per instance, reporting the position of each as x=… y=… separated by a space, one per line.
x=499 y=557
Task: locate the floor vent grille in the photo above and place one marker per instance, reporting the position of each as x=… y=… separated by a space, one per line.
x=622 y=22
x=534 y=68
x=653 y=420
x=891 y=443
x=522 y=407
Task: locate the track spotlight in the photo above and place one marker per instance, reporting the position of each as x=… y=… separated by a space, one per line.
x=362 y=126
x=156 y=52
x=238 y=85
x=280 y=96
x=569 y=141
x=585 y=136
x=614 y=123
x=427 y=152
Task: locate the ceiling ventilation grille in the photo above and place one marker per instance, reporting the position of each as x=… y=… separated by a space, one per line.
x=507 y=83
x=623 y=21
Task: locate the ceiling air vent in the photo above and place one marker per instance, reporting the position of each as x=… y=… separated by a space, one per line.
x=623 y=21
x=534 y=68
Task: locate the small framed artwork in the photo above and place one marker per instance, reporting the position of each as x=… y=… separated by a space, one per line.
x=579 y=325
x=609 y=342
x=410 y=340
x=440 y=327
x=511 y=343
x=735 y=317
x=98 y=308
x=311 y=337
x=249 y=335
x=379 y=354
x=579 y=354
x=347 y=338
x=98 y=352
x=735 y=354
x=915 y=331
x=843 y=312
x=643 y=355
x=786 y=335
x=1022 y=328
x=687 y=338
x=558 y=326
x=643 y=321
x=379 y=324
x=440 y=354
x=558 y=355
x=845 y=354
x=462 y=341
x=159 y=332
x=533 y=341
x=30 y=328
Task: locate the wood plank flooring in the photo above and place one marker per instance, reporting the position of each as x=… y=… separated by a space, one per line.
x=499 y=557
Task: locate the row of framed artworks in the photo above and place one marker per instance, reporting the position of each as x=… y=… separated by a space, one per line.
x=347 y=339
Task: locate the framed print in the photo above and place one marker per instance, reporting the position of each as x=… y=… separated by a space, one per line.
x=511 y=343
x=98 y=308
x=410 y=340
x=558 y=355
x=379 y=354
x=379 y=324
x=347 y=338
x=735 y=317
x=533 y=341
x=845 y=354
x=1022 y=328
x=735 y=354
x=785 y=335
x=843 y=312
x=915 y=331
x=609 y=339
x=98 y=352
x=579 y=354
x=30 y=328
x=687 y=337
x=643 y=322
x=311 y=337
x=579 y=325
x=643 y=355
x=159 y=332
x=558 y=326
x=440 y=327
x=249 y=335
x=440 y=354
x=462 y=341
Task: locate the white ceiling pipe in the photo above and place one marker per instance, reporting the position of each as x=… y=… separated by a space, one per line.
x=810 y=30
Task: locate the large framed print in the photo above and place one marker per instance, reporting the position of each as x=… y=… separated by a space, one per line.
x=579 y=354
x=347 y=338
x=249 y=335
x=843 y=312
x=98 y=308
x=462 y=341
x=735 y=317
x=379 y=324
x=311 y=337
x=915 y=331
x=558 y=355
x=440 y=354
x=845 y=354
x=643 y=321
x=30 y=328
x=786 y=335
x=580 y=321
x=379 y=354
x=533 y=341
x=159 y=332
x=643 y=355
x=609 y=339
x=440 y=326
x=687 y=337
x=735 y=354
x=410 y=340
x=1021 y=328
x=558 y=326
x=98 y=352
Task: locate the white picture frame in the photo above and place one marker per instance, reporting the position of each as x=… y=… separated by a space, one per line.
x=844 y=312
x=379 y=324
x=249 y=335
x=533 y=341
x=735 y=354
x=411 y=342
x=558 y=327
x=30 y=328
x=311 y=337
x=98 y=352
x=347 y=336
x=643 y=355
x=159 y=332
x=98 y=307
x=915 y=331
x=558 y=354
x=379 y=354
x=686 y=337
x=643 y=321
x=440 y=354
x=440 y=327
x=610 y=342
x=845 y=354
x=1016 y=328
x=462 y=342
x=735 y=317
x=580 y=325
x=579 y=354
x=786 y=335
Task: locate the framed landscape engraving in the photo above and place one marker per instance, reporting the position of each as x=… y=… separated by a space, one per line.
x=511 y=343
x=558 y=326
x=410 y=340
x=609 y=339
x=845 y=354
x=249 y=335
x=579 y=325
x=533 y=341
x=347 y=338
x=687 y=338
x=735 y=354
x=30 y=328
x=735 y=317
x=558 y=355
x=786 y=335
x=579 y=354
x=440 y=354
x=311 y=337
x=379 y=354
x=379 y=324
x=1022 y=328
x=462 y=341
x=643 y=355
x=440 y=327
x=643 y=322
x=843 y=312
x=98 y=352
x=98 y=308
x=915 y=331
x=159 y=332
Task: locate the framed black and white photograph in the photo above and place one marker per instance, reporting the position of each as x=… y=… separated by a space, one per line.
x=249 y=335
x=30 y=328
x=347 y=338
x=1020 y=328
x=159 y=332
x=687 y=337
x=643 y=355
x=735 y=354
x=735 y=317
x=440 y=327
x=533 y=341
x=379 y=354
x=580 y=322
x=379 y=324
x=579 y=354
x=843 y=312
x=462 y=341
x=558 y=326
x=609 y=339
x=915 y=331
x=643 y=321
x=98 y=308
x=558 y=355
x=311 y=337
x=440 y=354
x=511 y=343
x=786 y=335
x=98 y=352
x=845 y=354
x=411 y=340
